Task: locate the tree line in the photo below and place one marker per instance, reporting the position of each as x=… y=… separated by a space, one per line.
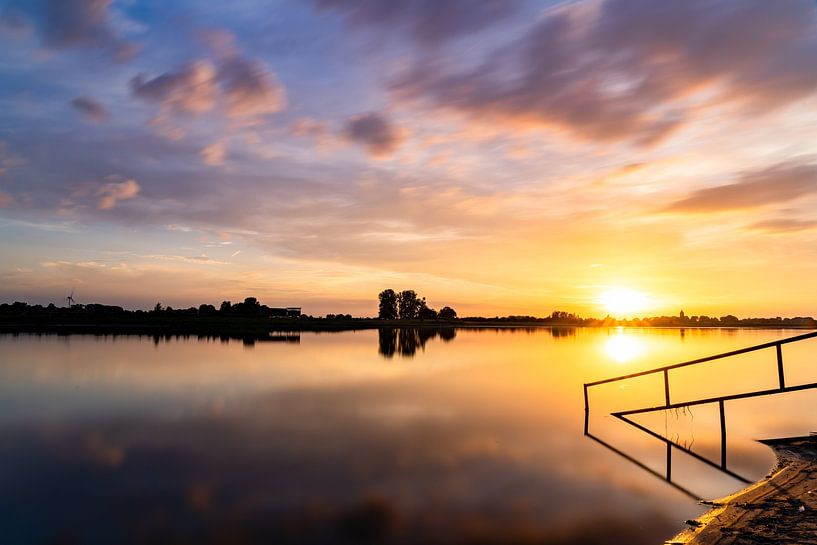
x=407 y=305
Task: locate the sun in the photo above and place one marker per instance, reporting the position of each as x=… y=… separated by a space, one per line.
x=620 y=302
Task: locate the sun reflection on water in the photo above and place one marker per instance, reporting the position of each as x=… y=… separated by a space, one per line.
x=623 y=347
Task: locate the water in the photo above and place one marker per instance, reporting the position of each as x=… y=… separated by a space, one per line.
x=467 y=436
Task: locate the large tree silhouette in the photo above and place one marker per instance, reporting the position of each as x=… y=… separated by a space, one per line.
x=407 y=304
x=388 y=305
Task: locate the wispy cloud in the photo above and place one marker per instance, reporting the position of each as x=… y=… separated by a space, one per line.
x=64 y=24
x=90 y=109
x=427 y=23
x=778 y=184
x=213 y=155
x=783 y=225
x=113 y=192
x=631 y=70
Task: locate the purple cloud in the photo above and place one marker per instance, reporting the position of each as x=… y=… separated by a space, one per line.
x=375 y=132
x=623 y=70
x=428 y=22
x=249 y=88
x=63 y=24
x=91 y=109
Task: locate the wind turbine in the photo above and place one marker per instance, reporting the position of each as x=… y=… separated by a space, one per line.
x=70 y=299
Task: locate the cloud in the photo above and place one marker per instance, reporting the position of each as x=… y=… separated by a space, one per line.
x=243 y=88
x=189 y=90
x=213 y=154
x=783 y=225
x=777 y=184
x=111 y=193
x=221 y=42
x=427 y=22
x=249 y=89
x=308 y=128
x=5 y=200
x=628 y=70
x=375 y=132
x=63 y=24
x=90 y=109
x=8 y=159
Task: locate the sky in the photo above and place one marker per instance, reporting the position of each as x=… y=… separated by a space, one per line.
x=498 y=156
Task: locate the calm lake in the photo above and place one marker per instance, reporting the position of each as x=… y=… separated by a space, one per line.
x=466 y=436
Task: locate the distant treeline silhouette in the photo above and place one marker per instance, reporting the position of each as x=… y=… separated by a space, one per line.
x=405 y=308
x=249 y=307
x=248 y=317
x=682 y=320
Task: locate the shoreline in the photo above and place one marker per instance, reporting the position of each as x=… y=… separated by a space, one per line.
x=263 y=328
x=781 y=508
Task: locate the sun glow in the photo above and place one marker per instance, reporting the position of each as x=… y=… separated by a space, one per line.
x=623 y=348
x=621 y=302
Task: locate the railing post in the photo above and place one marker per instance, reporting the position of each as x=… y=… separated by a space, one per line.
x=666 y=386
x=723 y=434
x=780 y=376
x=669 y=462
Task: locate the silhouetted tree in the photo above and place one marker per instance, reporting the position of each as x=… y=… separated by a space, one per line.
x=407 y=304
x=157 y=308
x=388 y=305
x=447 y=313
x=207 y=310
x=249 y=306
x=225 y=307
x=424 y=312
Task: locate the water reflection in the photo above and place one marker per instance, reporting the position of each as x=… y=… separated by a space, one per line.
x=623 y=347
x=721 y=405
x=121 y=440
x=406 y=341
x=360 y=465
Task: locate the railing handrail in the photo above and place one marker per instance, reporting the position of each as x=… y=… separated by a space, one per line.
x=665 y=368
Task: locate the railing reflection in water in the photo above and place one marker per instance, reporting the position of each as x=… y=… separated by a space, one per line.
x=625 y=416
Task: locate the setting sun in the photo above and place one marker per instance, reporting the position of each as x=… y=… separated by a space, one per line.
x=623 y=302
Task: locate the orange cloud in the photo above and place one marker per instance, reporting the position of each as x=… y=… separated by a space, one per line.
x=113 y=192
x=213 y=154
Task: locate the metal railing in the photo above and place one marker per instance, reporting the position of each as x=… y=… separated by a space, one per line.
x=720 y=400
x=666 y=369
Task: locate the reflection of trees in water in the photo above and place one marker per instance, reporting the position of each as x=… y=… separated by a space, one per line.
x=562 y=332
x=405 y=341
